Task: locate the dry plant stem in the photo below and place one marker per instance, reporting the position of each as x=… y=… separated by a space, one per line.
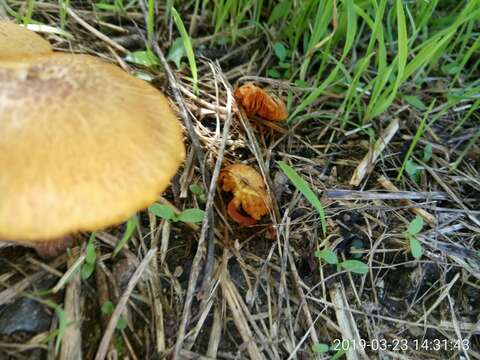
x=450 y=192
x=72 y=339
x=103 y=294
x=183 y=112
x=395 y=194
x=209 y=263
x=13 y=291
x=306 y=310
x=122 y=303
x=437 y=302
x=367 y=164
x=387 y=184
x=200 y=253
x=346 y=322
x=95 y=32
x=155 y=285
x=102 y=289
x=239 y=318
x=215 y=333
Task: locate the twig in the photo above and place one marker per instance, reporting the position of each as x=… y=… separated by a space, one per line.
x=220 y=155
x=382 y=195
x=387 y=184
x=195 y=271
x=122 y=303
x=239 y=318
x=183 y=112
x=346 y=322
x=13 y=291
x=366 y=165
x=95 y=31
x=72 y=339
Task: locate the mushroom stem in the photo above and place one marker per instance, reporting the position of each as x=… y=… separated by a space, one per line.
x=232 y=211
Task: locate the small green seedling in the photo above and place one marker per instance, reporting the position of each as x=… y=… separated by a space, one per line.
x=339 y=351
x=309 y=194
x=89 y=265
x=427 y=152
x=132 y=224
x=107 y=309
x=198 y=191
x=412 y=170
x=320 y=348
x=59 y=333
x=167 y=213
x=416 y=102
x=177 y=52
x=413 y=229
x=330 y=257
x=144 y=58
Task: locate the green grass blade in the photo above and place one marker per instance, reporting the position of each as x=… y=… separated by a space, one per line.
x=187 y=44
x=132 y=224
x=303 y=187
x=417 y=137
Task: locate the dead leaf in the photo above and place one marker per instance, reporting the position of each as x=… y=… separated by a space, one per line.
x=248 y=192
x=257 y=101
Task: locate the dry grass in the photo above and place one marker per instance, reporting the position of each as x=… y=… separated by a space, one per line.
x=216 y=291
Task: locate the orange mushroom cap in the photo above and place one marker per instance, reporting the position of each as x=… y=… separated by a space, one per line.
x=248 y=191
x=83 y=145
x=19 y=42
x=257 y=101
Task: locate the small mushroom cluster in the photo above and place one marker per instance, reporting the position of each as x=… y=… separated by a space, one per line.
x=257 y=101
x=249 y=193
x=83 y=144
x=246 y=184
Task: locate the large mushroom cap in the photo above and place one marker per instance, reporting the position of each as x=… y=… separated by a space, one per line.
x=19 y=42
x=83 y=145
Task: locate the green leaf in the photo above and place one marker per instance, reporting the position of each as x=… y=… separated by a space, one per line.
x=415 y=226
x=107 y=308
x=415 y=102
x=176 y=52
x=87 y=270
x=411 y=169
x=327 y=255
x=320 y=348
x=132 y=224
x=119 y=345
x=280 y=51
x=90 y=253
x=145 y=58
x=196 y=189
x=427 y=152
x=191 y=215
x=121 y=324
x=416 y=248
x=187 y=44
x=162 y=211
x=273 y=73
x=451 y=69
x=303 y=187
x=339 y=353
x=280 y=10
x=62 y=326
x=355 y=266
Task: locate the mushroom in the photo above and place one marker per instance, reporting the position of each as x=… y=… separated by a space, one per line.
x=257 y=101
x=248 y=192
x=83 y=146
x=19 y=42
